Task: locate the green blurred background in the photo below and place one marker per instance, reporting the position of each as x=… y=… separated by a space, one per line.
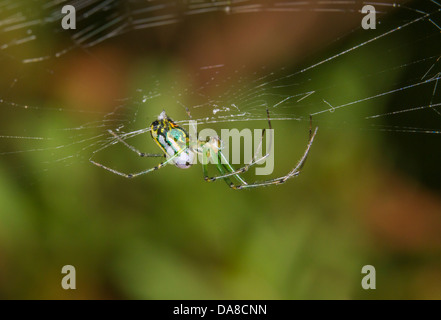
x=170 y=235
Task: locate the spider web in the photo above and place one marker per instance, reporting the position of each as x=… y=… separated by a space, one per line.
x=392 y=74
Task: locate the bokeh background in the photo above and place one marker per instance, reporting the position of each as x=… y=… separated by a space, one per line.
x=365 y=196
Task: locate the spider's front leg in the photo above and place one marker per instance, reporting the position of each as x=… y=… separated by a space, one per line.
x=211 y=153
x=293 y=173
x=226 y=170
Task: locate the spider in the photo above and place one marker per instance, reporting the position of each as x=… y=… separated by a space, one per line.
x=177 y=148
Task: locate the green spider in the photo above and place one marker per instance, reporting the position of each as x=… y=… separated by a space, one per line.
x=176 y=146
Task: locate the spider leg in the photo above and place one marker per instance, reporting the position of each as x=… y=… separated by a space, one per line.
x=294 y=172
x=222 y=165
x=232 y=171
x=141 y=154
x=133 y=175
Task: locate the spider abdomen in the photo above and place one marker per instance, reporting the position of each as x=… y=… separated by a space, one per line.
x=173 y=140
x=177 y=142
x=184 y=160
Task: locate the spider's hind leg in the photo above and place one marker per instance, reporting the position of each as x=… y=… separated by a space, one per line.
x=141 y=154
